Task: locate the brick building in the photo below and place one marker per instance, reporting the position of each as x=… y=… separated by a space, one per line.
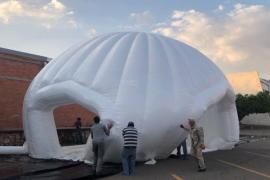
x=17 y=70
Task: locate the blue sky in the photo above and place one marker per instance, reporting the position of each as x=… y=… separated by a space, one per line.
x=233 y=33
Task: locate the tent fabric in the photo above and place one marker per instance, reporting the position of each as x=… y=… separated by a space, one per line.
x=154 y=81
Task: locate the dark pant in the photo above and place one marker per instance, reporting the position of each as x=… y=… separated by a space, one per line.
x=98 y=149
x=184 y=146
x=78 y=137
x=128 y=160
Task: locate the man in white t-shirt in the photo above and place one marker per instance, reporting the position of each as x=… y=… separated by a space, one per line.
x=98 y=133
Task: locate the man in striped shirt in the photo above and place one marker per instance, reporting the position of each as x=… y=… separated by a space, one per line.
x=130 y=136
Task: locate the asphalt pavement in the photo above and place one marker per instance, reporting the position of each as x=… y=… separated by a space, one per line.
x=250 y=160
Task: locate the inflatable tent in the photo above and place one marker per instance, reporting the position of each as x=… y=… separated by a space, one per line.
x=155 y=81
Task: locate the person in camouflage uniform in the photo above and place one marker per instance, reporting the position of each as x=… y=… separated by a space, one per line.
x=197 y=143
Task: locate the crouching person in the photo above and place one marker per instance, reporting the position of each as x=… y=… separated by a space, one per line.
x=130 y=136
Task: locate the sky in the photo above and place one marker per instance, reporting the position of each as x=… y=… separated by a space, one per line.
x=234 y=34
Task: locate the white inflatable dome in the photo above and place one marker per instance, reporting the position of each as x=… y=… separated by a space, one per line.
x=155 y=81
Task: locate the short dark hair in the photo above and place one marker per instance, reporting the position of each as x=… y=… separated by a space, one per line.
x=78 y=118
x=191 y=122
x=96 y=119
x=130 y=124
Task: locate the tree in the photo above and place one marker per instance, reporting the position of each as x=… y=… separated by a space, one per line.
x=248 y=104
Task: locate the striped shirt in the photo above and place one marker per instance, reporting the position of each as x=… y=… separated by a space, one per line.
x=130 y=136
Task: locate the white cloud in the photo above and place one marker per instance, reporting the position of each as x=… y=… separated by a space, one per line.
x=46 y=25
x=70 y=13
x=142 y=19
x=91 y=32
x=7 y=8
x=177 y=14
x=220 y=7
x=47 y=14
x=139 y=21
x=235 y=42
x=73 y=24
x=54 y=5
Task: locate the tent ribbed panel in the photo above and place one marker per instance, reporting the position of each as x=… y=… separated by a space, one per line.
x=112 y=68
x=86 y=71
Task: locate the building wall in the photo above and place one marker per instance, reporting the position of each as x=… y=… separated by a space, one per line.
x=12 y=94
x=262 y=119
x=16 y=73
x=65 y=116
x=265 y=85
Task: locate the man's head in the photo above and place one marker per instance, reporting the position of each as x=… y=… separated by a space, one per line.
x=96 y=119
x=192 y=123
x=130 y=124
x=78 y=119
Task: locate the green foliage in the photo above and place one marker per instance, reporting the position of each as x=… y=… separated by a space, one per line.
x=248 y=104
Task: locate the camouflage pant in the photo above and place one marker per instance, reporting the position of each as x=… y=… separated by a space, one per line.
x=197 y=153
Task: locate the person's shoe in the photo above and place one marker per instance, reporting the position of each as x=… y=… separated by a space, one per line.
x=99 y=173
x=124 y=174
x=201 y=170
x=184 y=158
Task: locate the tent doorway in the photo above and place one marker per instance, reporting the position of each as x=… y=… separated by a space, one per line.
x=65 y=118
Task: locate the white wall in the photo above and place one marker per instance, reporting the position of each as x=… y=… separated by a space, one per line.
x=257 y=119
